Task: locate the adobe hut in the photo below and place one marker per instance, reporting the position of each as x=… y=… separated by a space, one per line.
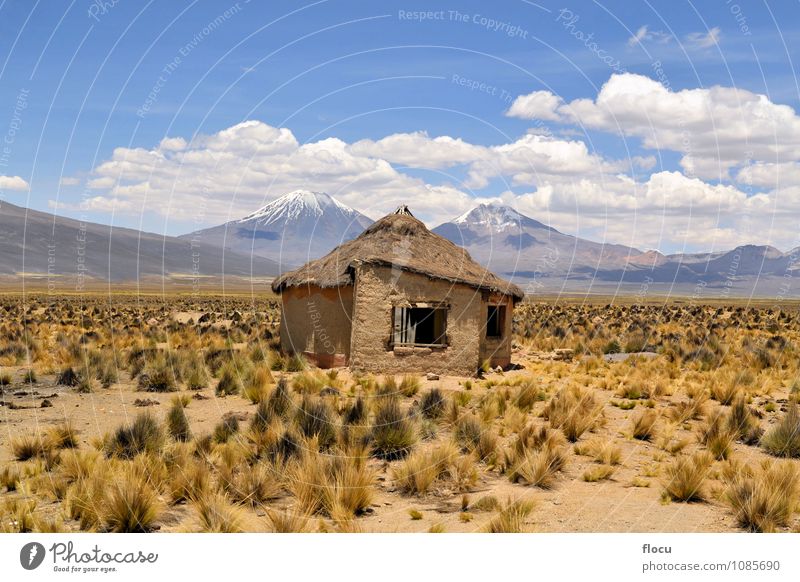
x=398 y=298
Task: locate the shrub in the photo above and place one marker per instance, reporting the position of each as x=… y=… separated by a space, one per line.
x=29 y=376
x=393 y=434
x=142 y=435
x=197 y=376
x=724 y=392
x=511 y=518
x=356 y=413
x=783 y=439
x=256 y=384
x=432 y=404
x=686 y=476
x=178 y=423
x=765 y=500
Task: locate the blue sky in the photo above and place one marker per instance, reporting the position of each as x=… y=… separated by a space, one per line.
x=90 y=89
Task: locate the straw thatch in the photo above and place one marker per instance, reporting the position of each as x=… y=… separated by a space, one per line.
x=398 y=240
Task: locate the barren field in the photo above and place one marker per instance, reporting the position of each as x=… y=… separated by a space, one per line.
x=146 y=413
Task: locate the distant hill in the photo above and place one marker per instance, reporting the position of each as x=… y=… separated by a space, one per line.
x=37 y=243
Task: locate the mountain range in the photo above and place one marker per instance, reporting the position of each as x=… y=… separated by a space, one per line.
x=304 y=225
x=68 y=251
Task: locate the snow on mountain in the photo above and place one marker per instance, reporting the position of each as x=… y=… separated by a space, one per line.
x=297 y=227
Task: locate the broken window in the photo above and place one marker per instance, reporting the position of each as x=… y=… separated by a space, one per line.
x=420 y=326
x=495 y=321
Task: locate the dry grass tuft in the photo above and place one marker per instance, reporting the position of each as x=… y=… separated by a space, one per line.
x=511 y=518
x=764 y=500
x=574 y=410
x=686 y=476
x=536 y=456
x=783 y=439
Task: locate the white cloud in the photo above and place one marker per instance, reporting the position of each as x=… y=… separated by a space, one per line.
x=536 y=105
x=13 y=183
x=715 y=129
x=703 y=40
x=69 y=181
x=418 y=150
x=645 y=34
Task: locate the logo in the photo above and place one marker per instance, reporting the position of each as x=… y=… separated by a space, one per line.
x=31 y=555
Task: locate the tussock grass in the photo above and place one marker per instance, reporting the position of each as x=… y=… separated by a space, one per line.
x=511 y=518
x=288 y=521
x=783 y=439
x=716 y=434
x=178 y=423
x=536 y=456
x=229 y=381
x=315 y=418
x=335 y=485
x=131 y=504
x=215 y=514
x=143 y=435
x=602 y=451
x=432 y=404
x=393 y=433
x=598 y=473
x=420 y=470
x=686 y=476
x=574 y=410
x=766 y=499
x=643 y=425
x=409 y=385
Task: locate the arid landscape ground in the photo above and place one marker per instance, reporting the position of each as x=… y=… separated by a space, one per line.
x=177 y=413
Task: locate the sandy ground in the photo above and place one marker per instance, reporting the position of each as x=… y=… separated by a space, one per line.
x=573 y=505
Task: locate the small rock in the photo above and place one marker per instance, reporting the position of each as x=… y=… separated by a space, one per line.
x=499 y=369
x=46 y=403
x=329 y=391
x=145 y=402
x=431 y=376
x=200 y=396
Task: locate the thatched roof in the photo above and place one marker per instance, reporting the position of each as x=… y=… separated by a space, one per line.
x=397 y=240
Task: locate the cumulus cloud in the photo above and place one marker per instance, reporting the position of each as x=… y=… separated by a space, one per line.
x=536 y=105
x=69 y=181
x=715 y=129
x=13 y=183
x=228 y=174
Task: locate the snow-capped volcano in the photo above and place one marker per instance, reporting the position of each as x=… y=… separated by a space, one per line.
x=510 y=243
x=497 y=217
x=297 y=227
x=300 y=205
